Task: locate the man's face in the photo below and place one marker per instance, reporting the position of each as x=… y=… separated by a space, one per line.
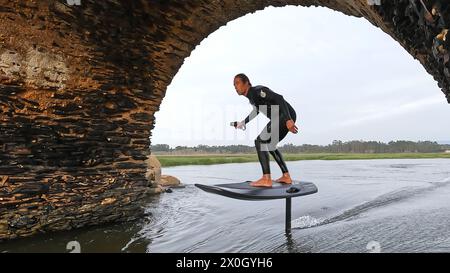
x=240 y=86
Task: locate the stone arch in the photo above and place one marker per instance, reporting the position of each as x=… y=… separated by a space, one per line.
x=79 y=86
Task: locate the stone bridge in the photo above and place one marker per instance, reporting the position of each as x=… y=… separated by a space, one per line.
x=80 y=84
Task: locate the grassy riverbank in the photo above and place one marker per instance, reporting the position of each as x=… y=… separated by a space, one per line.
x=177 y=160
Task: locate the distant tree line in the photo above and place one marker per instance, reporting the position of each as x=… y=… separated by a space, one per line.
x=337 y=146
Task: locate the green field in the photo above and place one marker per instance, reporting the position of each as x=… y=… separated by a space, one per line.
x=177 y=160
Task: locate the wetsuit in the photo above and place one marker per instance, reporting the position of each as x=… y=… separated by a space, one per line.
x=278 y=111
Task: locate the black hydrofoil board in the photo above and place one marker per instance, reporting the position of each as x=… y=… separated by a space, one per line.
x=244 y=191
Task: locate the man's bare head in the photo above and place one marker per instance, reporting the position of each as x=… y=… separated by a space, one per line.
x=241 y=84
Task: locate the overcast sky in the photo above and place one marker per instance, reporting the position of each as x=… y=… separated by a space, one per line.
x=346 y=79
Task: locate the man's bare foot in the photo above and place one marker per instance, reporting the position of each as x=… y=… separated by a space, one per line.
x=285 y=178
x=265 y=181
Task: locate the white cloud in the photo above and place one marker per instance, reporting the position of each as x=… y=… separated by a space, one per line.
x=391 y=112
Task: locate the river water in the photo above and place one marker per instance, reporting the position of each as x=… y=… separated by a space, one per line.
x=383 y=205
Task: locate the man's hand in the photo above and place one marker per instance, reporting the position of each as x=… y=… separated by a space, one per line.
x=240 y=125
x=290 y=124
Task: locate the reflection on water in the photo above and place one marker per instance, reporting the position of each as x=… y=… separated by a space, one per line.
x=399 y=204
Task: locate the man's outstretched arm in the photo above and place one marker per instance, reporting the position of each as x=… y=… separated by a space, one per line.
x=252 y=115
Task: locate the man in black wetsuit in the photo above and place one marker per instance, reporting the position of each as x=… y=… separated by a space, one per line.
x=282 y=120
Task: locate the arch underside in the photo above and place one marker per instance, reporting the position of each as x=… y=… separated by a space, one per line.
x=79 y=87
